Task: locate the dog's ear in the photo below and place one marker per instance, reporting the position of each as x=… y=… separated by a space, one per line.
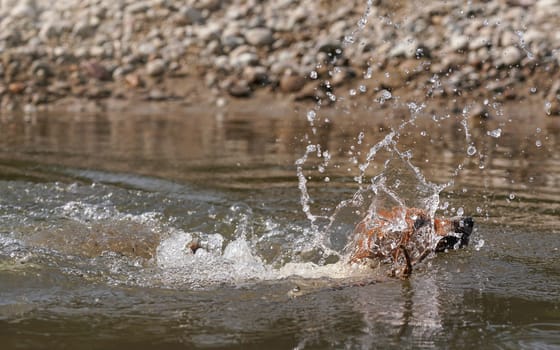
x=447 y=243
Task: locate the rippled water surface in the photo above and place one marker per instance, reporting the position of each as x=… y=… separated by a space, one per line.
x=97 y=212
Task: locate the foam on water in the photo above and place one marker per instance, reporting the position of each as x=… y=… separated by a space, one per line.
x=121 y=236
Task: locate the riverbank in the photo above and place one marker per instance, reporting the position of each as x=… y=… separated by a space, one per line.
x=99 y=54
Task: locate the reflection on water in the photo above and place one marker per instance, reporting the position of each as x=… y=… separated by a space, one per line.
x=518 y=172
x=96 y=211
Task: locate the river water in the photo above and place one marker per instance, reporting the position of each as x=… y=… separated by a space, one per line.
x=97 y=211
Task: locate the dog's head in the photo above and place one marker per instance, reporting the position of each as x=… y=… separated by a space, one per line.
x=379 y=237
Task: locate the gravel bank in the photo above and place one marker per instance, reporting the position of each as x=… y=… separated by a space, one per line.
x=308 y=50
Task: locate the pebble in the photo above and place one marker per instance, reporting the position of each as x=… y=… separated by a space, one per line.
x=511 y=55
x=243 y=59
x=155 y=68
x=259 y=36
x=291 y=82
x=16 y=88
x=188 y=16
x=96 y=70
x=138 y=7
x=133 y=80
x=459 y=42
x=239 y=46
x=239 y=88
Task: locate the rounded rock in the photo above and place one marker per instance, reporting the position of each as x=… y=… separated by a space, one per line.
x=244 y=59
x=239 y=88
x=291 y=83
x=155 y=68
x=259 y=36
x=511 y=55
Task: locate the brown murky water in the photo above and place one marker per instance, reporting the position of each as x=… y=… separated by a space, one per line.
x=95 y=211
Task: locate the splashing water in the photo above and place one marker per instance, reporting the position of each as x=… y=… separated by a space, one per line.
x=386 y=178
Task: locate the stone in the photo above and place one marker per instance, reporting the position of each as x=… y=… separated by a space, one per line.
x=188 y=16
x=157 y=95
x=16 y=87
x=50 y=30
x=239 y=88
x=479 y=42
x=133 y=80
x=155 y=68
x=255 y=75
x=96 y=70
x=97 y=51
x=83 y=29
x=208 y=32
x=243 y=59
x=404 y=48
x=230 y=42
x=146 y=49
x=291 y=82
x=24 y=9
x=138 y=7
x=97 y=92
x=458 y=42
x=41 y=67
x=511 y=55
x=210 y=5
x=259 y=36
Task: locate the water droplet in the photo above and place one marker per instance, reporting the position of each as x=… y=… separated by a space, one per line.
x=327 y=179
x=423 y=133
x=407 y=154
x=495 y=133
x=460 y=211
x=471 y=150
x=478 y=210
x=313 y=74
x=361 y=136
x=362 y=88
x=478 y=245
x=538 y=143
x=512 y=196
x=533 y=90
x=311 y=115
x=547 y=107
x=352 y=92
x=538 y=130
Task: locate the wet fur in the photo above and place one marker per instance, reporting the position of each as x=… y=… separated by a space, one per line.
x=401 y=234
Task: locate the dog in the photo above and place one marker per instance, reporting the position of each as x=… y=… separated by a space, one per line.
x=405 y=236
